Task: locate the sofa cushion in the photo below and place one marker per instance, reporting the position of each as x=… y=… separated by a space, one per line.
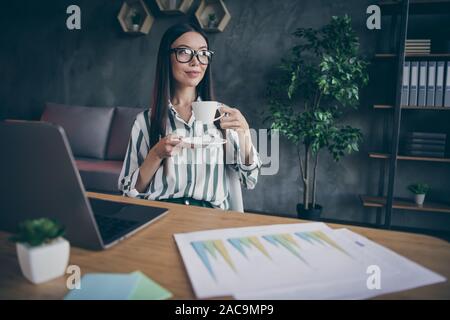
x=99 y=175
x=87 y=128
x=120 y=132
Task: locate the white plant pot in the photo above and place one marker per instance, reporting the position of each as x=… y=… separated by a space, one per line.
x=44 y=262
x=419 y=199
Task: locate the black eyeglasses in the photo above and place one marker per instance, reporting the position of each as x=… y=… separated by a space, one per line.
x=185 y=55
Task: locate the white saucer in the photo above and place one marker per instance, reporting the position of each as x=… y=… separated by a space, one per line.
x=202 y=142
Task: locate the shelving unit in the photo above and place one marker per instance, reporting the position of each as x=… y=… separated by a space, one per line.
x=404 y=204
x=209 y=7
x=125 y=17
x=381 y=155
x=386 y=201
x=174 y=6
x=431 y=108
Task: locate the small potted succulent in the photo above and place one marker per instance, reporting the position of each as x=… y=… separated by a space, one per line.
x=419 y=190
x=42 y=251
x=212 y=20
x=136 y=19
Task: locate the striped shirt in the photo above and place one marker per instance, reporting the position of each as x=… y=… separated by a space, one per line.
x=197 y=173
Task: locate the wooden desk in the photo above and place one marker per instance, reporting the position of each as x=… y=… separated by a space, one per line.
x=154 y=252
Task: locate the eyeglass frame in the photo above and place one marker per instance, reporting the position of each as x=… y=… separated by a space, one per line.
x=172 y=50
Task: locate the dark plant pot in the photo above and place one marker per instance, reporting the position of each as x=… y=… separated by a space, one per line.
x=311 y=213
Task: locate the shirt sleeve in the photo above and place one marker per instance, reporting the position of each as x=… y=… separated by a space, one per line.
x=137 y=150
x=248 y=174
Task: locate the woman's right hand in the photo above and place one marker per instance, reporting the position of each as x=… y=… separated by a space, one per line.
x=166 y=146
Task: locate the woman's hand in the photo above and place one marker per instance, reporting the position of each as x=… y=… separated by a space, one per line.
x=234 y=120
x=163 y=149
x=166 y=146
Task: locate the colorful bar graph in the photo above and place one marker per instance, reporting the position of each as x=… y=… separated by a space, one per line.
x=210 y=249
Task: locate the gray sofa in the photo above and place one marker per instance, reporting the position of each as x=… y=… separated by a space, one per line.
x=98 y=137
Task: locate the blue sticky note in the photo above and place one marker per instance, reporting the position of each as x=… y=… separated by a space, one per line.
x=105 y=286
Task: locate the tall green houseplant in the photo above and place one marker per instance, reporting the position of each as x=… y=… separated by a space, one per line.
x=315 y=83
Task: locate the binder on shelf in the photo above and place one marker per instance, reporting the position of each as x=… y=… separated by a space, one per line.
x=447 y=86
x=421 y=100
x=405 y=84
x=439 y=97
x=414 y=83
x=431 y=83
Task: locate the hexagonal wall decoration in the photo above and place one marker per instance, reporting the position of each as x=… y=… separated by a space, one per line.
x=135 y=18
x=212 y=15
x=174 y=6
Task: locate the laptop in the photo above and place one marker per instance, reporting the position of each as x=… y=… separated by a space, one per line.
x=39 y=178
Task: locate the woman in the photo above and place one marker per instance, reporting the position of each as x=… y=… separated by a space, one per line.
x=153 y=167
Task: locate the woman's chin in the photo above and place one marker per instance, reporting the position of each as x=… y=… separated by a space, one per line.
x=191 y=82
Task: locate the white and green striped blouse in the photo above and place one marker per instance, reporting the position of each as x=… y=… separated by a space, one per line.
x=196 y=173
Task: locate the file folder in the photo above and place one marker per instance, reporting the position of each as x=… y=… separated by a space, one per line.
x=414 y=83
x=431 y=83
x=421 y=100
x=405 y=84
x=439 y=98
x=447 y=86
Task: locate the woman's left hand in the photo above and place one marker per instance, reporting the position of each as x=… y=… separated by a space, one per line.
x=234 y=120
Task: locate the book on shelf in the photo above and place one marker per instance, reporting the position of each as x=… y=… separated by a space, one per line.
x=427 y=135
x=425 y=141
x=417 y=52
x=424 y=147
x=418 y=40
x=424 y=144
x=417 y=43
x=418 y=46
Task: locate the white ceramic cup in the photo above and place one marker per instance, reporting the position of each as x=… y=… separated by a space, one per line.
x=205 y=111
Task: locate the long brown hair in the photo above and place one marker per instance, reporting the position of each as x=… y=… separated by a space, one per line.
x=163 y=85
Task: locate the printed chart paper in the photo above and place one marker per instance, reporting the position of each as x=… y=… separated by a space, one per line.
x=291 y=261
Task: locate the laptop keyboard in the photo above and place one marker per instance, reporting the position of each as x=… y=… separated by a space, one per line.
x=112 y=227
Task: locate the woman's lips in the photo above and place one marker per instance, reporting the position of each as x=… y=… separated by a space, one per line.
x=192 y=74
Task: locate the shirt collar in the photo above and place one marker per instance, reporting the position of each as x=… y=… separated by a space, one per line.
x=175 y=113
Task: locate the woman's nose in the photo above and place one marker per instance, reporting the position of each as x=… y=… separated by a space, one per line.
x=194 y=61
